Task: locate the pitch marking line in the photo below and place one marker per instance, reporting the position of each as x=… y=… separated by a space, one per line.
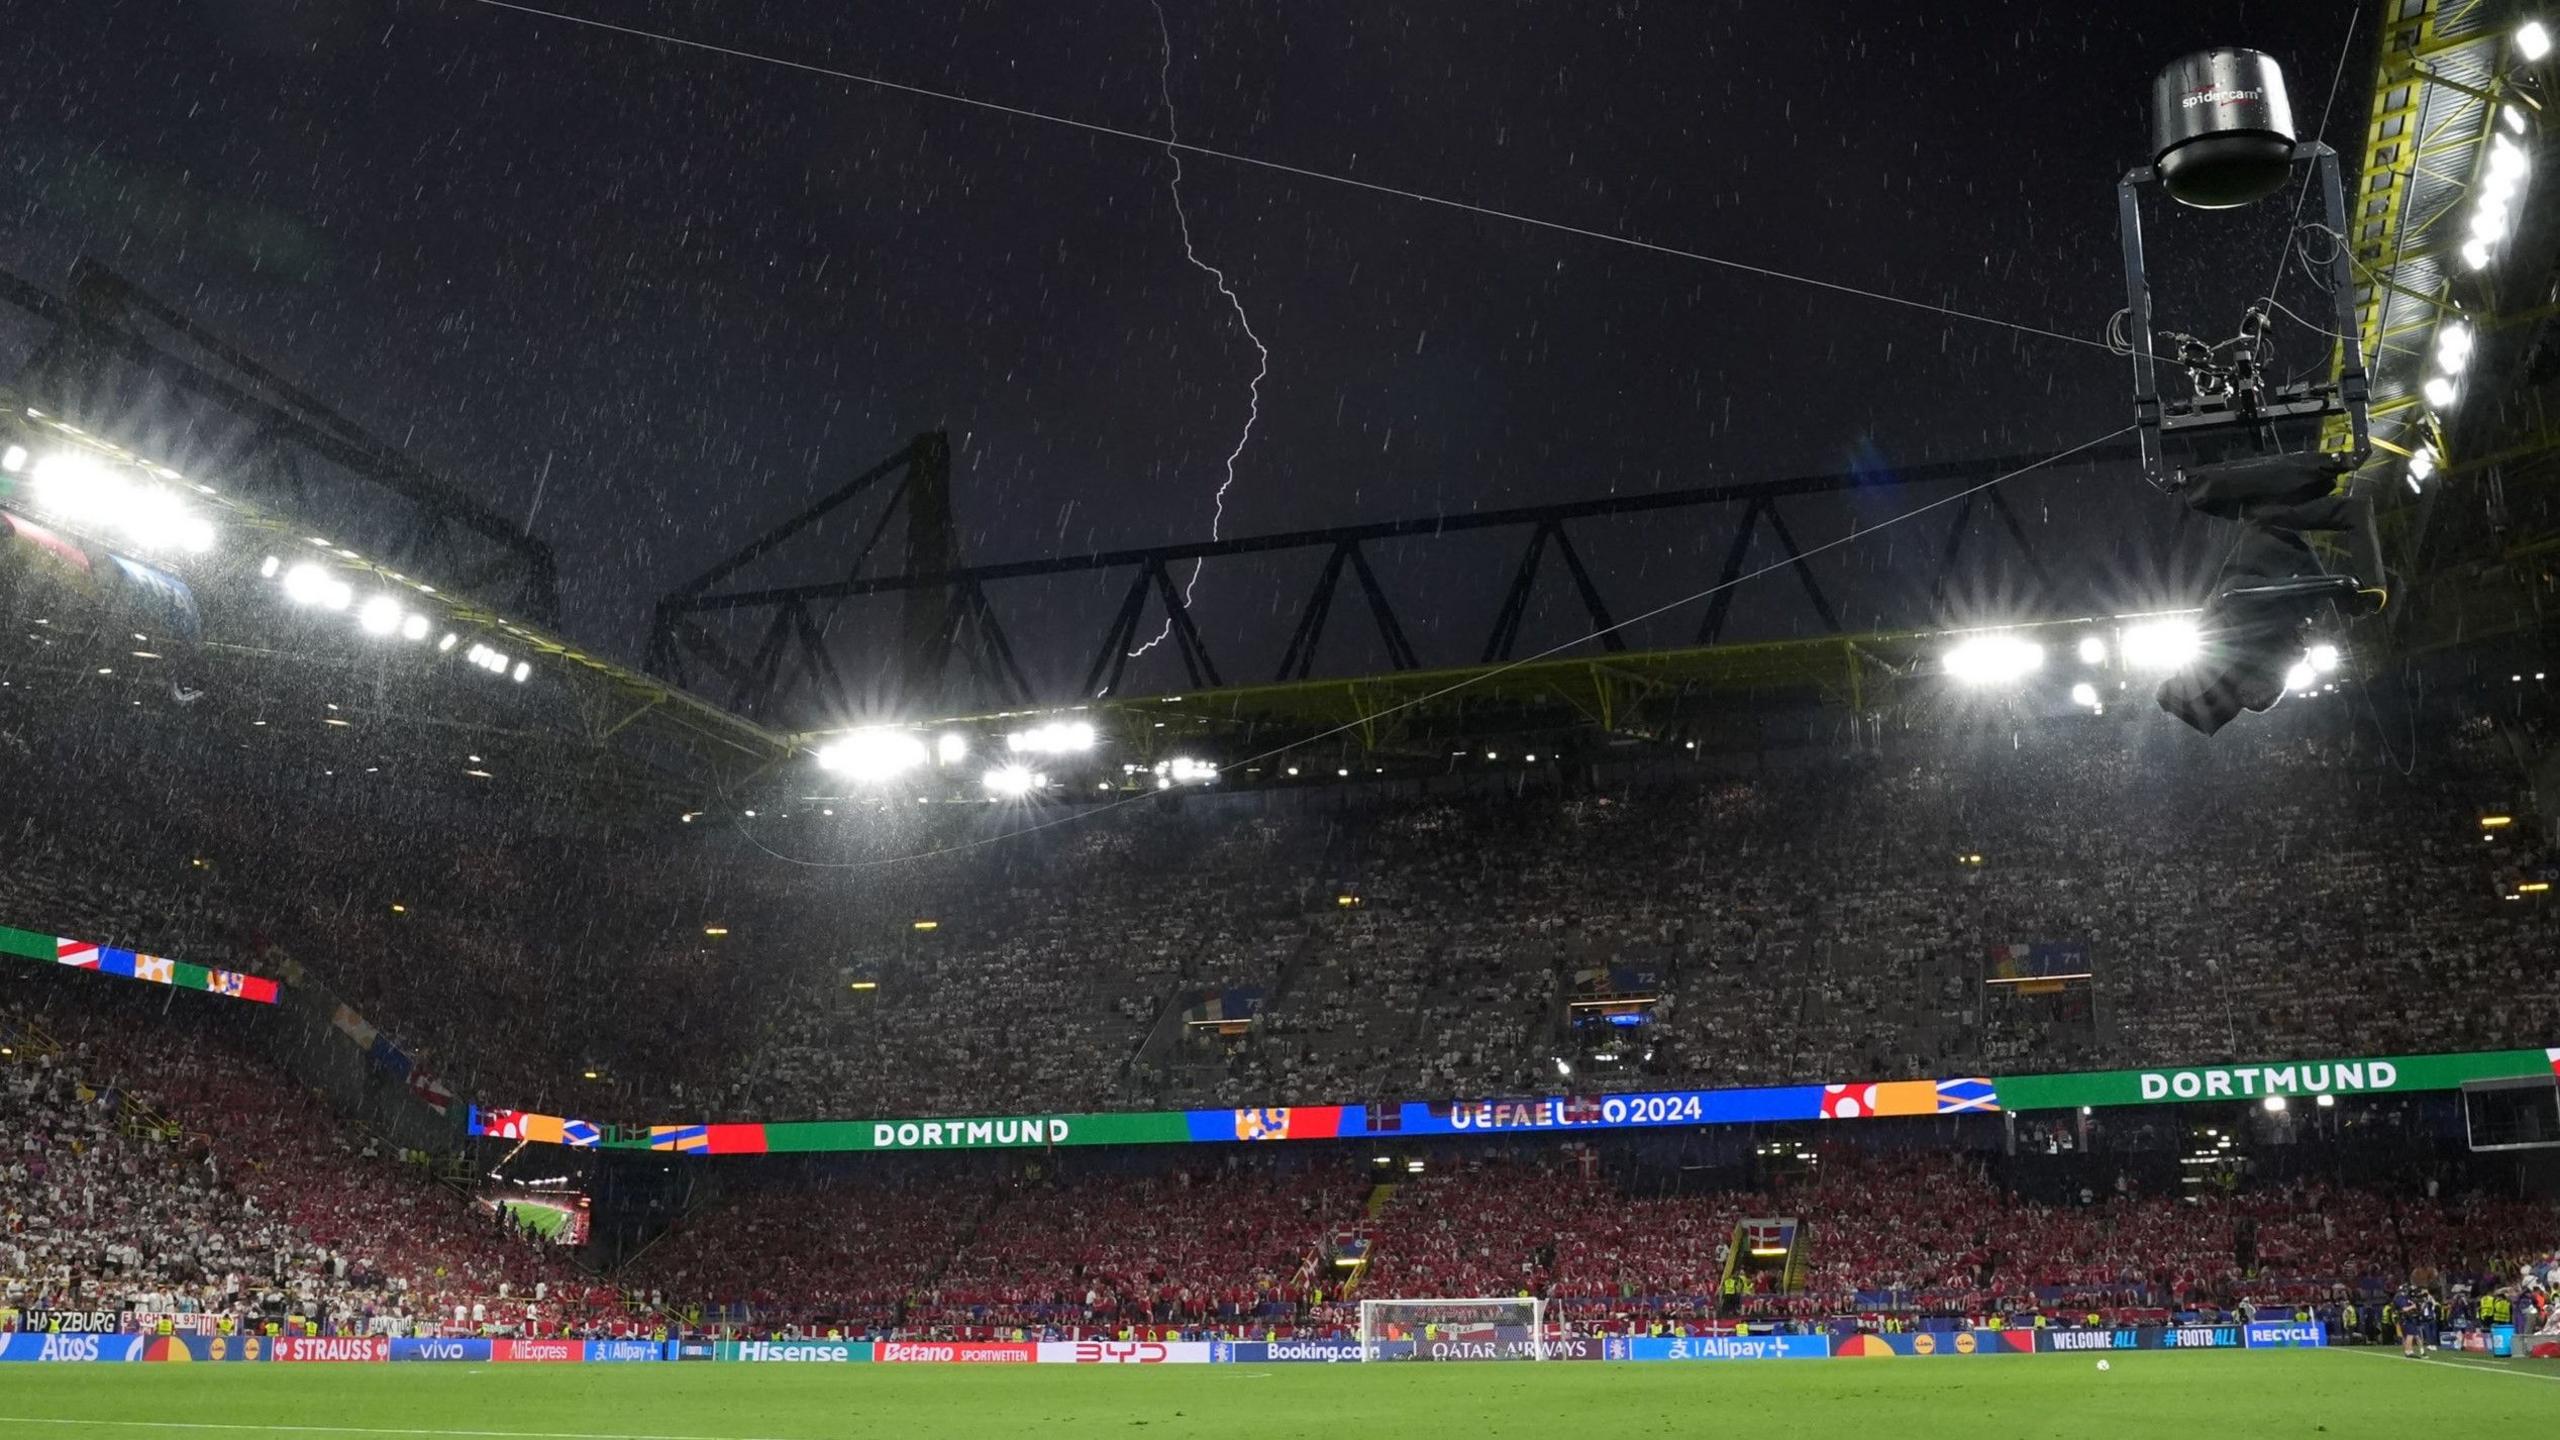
x=2490 y=1367
x=207 y=1425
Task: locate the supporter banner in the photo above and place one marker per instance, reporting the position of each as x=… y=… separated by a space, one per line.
x=953 y=1352
x=328 y=1347
x=1937 y=1342
x=2287 y=1335
x=794 y=1352
x=538 y=1352
x=1126 y=1352
x=1852 y=1100
x=133 y=965
x=69 y=1349
x=1719 y=1347
x=475 y=1351
x=623 y=1352
x=88 y=1322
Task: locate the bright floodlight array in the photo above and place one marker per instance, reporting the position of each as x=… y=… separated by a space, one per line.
x=1062 y=737
x=2161 y=645
x=1994 y=660
x=872 y=757
x=1008 y=782
x=314 y=586
x=82 y=490
x=1183 y=770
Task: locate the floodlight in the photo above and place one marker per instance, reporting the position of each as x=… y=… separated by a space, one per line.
x=2325 y=1101
x=309 y=584
x=2453 y=347
x=413 y=627
x=951 y=747
x=2160 y=644
x=2274 y=1104
x=1014 y=780
x=2323 y=657
x=268 y=567
x=379 y=615
x=870 y=756
x=1055 y=738
x=2475 y=254
x=1994 y=660
x=13 y=459
x=2533 y=41
x=2084 y=693
x=523 y=671
x=2093 y=651
x=2301 y=676
x=2439 y=391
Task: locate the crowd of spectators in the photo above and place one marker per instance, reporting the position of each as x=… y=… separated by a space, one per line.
x=156 y=1167
x=1819 y=917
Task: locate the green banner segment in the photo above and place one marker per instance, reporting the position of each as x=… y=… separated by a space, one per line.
x=2345 y=1075
x=26 y=943
x=1008 y=1133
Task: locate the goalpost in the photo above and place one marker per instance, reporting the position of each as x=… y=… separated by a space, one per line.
x=1454 y=1329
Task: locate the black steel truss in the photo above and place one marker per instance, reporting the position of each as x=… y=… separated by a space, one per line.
x=294 y=445
x=791 y=658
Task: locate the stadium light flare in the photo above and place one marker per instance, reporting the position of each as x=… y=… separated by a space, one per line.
x=872 y=756
x=2533 y=40
x=2453 y=347
x=951 y=747
x=2440 y=391
x=2325 y=1101
x=1063 y=737
x=84 y=491
x=2496 y=822
x=523 y=671
x=1014 y=781
x=13 y=459
x=2301 y=676
x=268 y=567
x=379 y=615
x=2084 y=693
x=1183 y=770
x=2323 y=657
x=2161 y=644
x=2274 y=1104
x=1994 y=660
x=413 y=627
x=308 y=584
x=2093 y=651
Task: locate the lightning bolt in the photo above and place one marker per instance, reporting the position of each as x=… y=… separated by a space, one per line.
x=1173 y=138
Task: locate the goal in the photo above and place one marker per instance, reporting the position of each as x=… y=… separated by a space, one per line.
x=1454 y=1329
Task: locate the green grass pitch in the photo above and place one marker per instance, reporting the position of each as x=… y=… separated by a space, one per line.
x=2261 y=1396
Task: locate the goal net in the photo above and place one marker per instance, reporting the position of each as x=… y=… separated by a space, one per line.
x=1437 y=1329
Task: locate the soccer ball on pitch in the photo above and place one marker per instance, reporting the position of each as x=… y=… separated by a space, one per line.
x=2102 y=1365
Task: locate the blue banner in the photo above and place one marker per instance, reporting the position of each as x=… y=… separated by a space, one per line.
x=2287 y=1335
x=475 y=1351
x=1719 y=1347
x=70 y=1349
x=2067 y=1341
x=621 y=1352
x=692 y=1349
x=2199 y=1337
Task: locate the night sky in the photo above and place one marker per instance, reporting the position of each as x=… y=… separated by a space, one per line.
x=673 y=295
